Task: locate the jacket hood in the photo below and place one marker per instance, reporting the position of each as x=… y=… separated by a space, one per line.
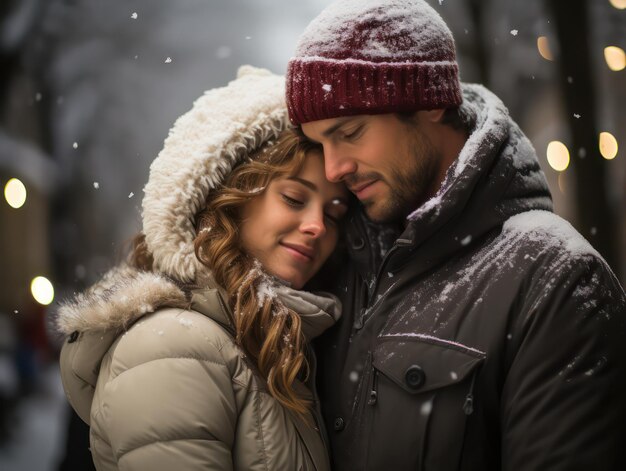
x=223 y=126
x=496 y=176
x=496 y=152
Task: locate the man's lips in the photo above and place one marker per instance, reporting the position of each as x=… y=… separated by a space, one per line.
x=358 y=189
x=306 y=252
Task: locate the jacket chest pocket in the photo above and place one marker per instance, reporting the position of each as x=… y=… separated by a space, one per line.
x=419 y=396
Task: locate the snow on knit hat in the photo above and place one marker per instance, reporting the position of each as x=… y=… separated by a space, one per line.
x=372 y=57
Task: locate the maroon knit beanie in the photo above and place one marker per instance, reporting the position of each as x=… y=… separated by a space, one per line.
x=372 y=57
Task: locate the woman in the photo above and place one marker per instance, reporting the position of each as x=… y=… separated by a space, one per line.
x=194 y=355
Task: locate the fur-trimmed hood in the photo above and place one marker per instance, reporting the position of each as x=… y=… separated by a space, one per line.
x=223 y=126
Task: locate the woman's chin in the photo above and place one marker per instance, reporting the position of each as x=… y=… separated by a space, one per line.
x=293 y=280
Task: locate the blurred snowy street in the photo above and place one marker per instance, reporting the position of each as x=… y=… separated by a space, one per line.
x=40 y=420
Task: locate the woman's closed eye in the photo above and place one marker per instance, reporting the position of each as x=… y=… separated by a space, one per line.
x=292 y=201
x=333 y=219
x=336 y=213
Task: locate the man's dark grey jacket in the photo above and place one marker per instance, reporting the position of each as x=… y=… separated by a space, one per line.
x=486 y=335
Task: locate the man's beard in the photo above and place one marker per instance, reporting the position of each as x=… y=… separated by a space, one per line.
x=408 y=187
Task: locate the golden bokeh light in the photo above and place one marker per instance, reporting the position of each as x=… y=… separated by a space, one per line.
x=544 y=48
x=608 y=145
x=558 y=156
x=619 y=4
x=42 y=290
x=15 y=193
x=615 y=58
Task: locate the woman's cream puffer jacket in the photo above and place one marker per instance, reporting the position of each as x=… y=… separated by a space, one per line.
x=173 y=391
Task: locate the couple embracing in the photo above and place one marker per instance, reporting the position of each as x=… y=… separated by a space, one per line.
x=353 y=267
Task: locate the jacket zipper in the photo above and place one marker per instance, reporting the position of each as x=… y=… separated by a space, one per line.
x=468 y=405
x=317 y=410
x=373 y=399
x=399 y=243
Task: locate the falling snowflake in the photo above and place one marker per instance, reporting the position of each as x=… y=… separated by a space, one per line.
x=75 y=145
x=514 y=32
x=466 y=240
x=131 y=194
x=594 y=231
x=96 y=185
x=168 y=60
x=37 y=96
x=223 y=52
x=453 y=375
x=248 y=37
x=354 y=376
x=134 y=15
x=15 y=311
x=576 y=115
x=327 y=87
x=570 y=80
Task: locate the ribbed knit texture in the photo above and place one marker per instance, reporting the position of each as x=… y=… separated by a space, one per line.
x=372 y=57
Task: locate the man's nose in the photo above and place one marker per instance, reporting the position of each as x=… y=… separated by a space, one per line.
x=337 y=165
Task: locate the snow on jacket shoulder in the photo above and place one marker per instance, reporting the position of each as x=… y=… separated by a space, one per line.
x=170 y=389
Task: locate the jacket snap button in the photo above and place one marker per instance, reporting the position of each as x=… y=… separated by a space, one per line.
x=414 y=377
x=73 y=337
x=358 y=243
x=338 y=425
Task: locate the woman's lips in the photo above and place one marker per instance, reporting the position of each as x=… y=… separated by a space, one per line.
x=299 y=251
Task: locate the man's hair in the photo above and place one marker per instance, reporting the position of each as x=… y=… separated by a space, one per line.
x=451 y=117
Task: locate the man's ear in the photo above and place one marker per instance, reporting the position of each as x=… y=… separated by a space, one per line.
x=435 y=116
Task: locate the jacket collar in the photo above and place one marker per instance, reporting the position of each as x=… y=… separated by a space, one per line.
x=495 y=176
x=126 y=294
x=317 y=311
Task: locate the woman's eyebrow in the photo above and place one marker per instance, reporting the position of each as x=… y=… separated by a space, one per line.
x=304 y=182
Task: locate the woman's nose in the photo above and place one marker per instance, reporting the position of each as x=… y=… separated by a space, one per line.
x=313 y=224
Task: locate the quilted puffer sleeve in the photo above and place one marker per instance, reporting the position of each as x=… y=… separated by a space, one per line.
x=165 y=397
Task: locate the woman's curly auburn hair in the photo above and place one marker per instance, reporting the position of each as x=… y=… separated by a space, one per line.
x=269 y=333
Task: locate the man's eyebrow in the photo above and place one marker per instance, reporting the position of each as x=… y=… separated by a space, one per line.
x=306 y=183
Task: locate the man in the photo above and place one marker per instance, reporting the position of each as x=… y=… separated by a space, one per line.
x=480 y=330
